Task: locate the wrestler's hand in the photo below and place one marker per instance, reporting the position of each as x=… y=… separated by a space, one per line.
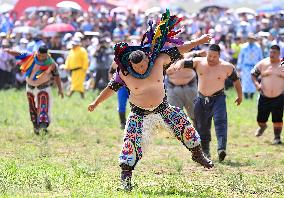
x=258 y=87
x=91 y=107
x=205 y=38
x=60 y=93
x=239 y=100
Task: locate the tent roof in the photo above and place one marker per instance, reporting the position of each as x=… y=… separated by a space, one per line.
x=21 y=5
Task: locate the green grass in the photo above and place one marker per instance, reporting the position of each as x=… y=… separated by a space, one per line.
x=79 y=156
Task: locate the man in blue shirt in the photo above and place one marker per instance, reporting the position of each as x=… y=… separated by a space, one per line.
x=250 y=54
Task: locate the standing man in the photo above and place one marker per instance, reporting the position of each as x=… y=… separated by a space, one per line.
x=39 y=68
x=141 y=69
x=122 y=97
x=251 y=53
x=182 y=87
x=271 y=89
x=77 y=62
x=212 y=73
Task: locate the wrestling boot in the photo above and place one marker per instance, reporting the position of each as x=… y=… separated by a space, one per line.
x=43 y=127
x=126 y=175
x=221 y=155
x=206 y=149
x=122 y=120
x=259 y=132
x=36 y=129
x=198 y=156
x=277 y=136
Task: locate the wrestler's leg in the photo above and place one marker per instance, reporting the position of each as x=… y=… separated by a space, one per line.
x=122 y=96
x=263 y=111
x=33 y=111
x=179 y=124
x=131 y=151
x=43 y=109
x=277 y=118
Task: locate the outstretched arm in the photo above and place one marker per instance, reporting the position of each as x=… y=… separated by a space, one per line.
x=184 y=63
x=173 y=54
x=193 y=43
x=104 y=95
x=12 y=52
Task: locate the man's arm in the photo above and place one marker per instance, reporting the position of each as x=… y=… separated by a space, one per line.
x=173 y=54
x=193 y=43
x=234 y=76
x=12 y=52
x=104 y=95
x=190 y=63
x=54 y=71
x=238 y=86
x=255 y=73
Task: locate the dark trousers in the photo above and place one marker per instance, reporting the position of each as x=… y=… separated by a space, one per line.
x=101 y=78
x=207 y=108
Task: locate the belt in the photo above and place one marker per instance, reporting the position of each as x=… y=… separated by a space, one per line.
x=207 y=98
x=188 y=84
x=43 y=86
x=142 y=112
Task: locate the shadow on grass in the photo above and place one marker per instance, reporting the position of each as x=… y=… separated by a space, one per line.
x=237 y=163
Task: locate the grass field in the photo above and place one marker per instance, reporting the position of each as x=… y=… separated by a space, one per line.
x=79 y=156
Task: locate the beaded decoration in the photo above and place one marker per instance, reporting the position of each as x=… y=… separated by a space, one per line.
x=164 y=32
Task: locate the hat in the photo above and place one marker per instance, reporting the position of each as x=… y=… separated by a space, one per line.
x=251 y=35
x=60 y=60
x=5 y=42
x=3 y=34
x=75 y=41
x=24 y=41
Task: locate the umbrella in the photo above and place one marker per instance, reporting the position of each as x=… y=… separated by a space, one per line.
x=59 y=27
x=206 y=8
x=5 y=7
x=153 y=10
x=25 y=30
x=245 y=10
x=30 y=9
x=108 y=3
x=270 y=9
x=69 y=4
x=118 y=10
x=45 y=9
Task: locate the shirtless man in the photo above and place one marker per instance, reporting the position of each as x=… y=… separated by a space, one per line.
x=39 y=68
x=212 y=73
x=271 y=88
x=182 y=86
x=149 y=107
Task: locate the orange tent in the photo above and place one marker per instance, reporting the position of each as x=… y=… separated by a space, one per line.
x=21 y=5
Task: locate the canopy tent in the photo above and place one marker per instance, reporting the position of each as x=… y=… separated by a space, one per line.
x=22 y=5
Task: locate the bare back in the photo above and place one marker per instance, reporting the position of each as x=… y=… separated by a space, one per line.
x=272 y=78
x=181 y=77
x=212 y=78
x=148 y=92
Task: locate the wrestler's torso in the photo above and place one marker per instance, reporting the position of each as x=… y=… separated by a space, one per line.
x=148 y=92
x=182 y=77
x=272 y=78
x=44 y=78
x=212 y=78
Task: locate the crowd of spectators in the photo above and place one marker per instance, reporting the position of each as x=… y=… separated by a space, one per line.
x=100 y=27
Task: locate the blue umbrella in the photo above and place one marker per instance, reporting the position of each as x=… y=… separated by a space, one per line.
x=269 y=8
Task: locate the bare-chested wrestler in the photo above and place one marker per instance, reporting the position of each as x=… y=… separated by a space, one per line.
x=271 y=88
x=212 y=73
x=182 y=86
x=143 y=76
